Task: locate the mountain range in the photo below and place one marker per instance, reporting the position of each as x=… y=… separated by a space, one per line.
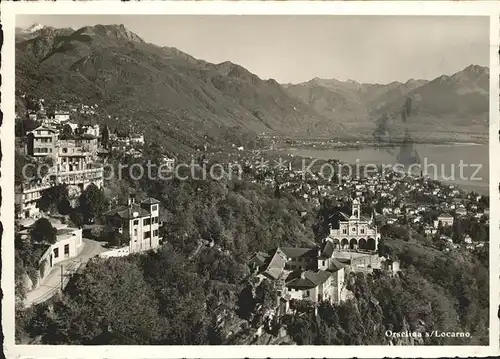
x=445 y=106
x=184 y=102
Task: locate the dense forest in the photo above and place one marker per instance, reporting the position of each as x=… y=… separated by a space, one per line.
x=169 y=297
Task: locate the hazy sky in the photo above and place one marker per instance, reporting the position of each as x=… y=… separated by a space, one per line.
x=294 y=49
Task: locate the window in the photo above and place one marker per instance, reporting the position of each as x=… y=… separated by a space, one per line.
x=323 y=262
x=154 y=207
x=155 y=220
x=147 y=234
x=353 y=229
x=136 y=222
x=307 y=293
x=56 y=252
x=155 y=233
x=344 y=231
x=147 y=221
x=66 y=250
x=362 y=230
x=135 y=232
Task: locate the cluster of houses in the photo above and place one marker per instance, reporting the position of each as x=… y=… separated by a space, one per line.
x=319 y=273
x=76 y=160
x=405 y=200
x=61 y=116
x=138 y=222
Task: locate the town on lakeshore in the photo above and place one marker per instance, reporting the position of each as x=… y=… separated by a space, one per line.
x=64 y=238
x=239 y=244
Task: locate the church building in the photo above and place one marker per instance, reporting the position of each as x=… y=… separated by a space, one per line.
x=354 y=232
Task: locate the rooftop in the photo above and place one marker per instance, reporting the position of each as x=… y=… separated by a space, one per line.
x=127 y=212
x=150 y=200
x=276 y=264
x=307 y=279
x=445 y=215
x=292 y=252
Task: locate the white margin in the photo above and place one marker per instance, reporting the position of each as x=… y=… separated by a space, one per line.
x=10 y=9
x=494 y=179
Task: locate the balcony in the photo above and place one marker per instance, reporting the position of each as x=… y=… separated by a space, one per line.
x=88 y=171
x=75 y=153
x=30 y=188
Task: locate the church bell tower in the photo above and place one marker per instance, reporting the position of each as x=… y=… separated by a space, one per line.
x=356 y=209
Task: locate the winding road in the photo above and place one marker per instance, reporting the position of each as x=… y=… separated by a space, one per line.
x=51 y=285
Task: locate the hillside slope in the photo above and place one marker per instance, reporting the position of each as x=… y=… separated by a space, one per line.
x=165 y=93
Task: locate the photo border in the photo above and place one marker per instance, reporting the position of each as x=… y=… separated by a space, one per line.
x=415 y=8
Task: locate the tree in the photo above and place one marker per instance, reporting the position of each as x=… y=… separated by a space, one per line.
x=52 y=199
x=117 y=239
x=105 y=136
x=246 y=302
x=481 y=235
x=25 y=125
x=106 y=291
x=66 y=131
x=277 y=192
x=64 y=206
x=43 y=232
x=265 y=294
x=302 y=305
x=93 y=203
x=458 y=231
x=77 y=218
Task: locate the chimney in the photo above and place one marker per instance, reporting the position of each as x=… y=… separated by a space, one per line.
x=303 y=275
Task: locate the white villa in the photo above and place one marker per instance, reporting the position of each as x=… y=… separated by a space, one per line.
x=139 y=221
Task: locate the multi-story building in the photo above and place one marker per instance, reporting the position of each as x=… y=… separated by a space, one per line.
x=140 y=222
x=137 y=138
x=445 y=219
x=355 y=232
x=300 y=258
x=27 y=197
x=75 y=163
x=42 y=142
x=302 y=273
x=93 y=130
x=61 y=116
x=315 y=286
x=167 y=163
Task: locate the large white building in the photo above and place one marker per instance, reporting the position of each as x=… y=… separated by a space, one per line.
x=355 y=232
x=140 y=222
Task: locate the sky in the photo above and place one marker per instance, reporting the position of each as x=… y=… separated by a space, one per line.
x=293 y=49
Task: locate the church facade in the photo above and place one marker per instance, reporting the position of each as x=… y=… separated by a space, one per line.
x=355 y=232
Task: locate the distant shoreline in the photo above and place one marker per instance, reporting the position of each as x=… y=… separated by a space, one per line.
x=361 y=144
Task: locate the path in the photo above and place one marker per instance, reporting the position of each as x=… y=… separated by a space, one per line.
x=52 y=283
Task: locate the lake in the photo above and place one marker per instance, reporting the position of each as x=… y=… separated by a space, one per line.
x=440 y=162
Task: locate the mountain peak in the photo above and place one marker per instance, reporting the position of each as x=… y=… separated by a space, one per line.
x=118 y=31
x=34 y=28
x=476 y=69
